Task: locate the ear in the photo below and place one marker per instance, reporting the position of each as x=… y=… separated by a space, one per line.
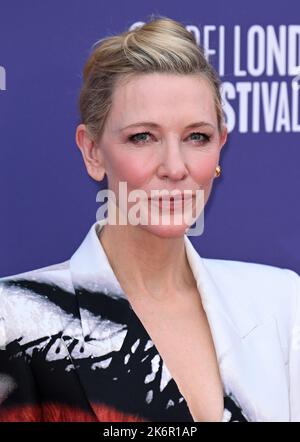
x=91 y=153
x=223 y=136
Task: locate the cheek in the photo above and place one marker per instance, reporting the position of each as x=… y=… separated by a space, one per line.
x=203 y=173
x=134 y=170
x=204 y=168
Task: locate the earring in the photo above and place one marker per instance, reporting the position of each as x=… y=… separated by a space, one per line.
x=218 y=171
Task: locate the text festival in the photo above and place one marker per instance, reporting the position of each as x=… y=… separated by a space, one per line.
x=259 y=67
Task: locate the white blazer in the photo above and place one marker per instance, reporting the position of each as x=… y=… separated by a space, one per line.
x=253 y=313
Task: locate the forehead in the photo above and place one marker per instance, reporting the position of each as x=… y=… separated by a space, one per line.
x=162 y=97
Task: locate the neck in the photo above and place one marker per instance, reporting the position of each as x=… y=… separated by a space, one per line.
x=147 y=264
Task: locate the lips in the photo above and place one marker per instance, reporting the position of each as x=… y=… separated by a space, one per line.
x=173 y=198
x=172 y=203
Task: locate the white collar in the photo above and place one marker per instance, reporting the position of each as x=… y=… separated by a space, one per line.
x=92 y=271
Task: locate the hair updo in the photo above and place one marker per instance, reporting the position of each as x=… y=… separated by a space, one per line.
x=162 y=45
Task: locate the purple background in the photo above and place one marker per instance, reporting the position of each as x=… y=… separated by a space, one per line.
x=48 y=201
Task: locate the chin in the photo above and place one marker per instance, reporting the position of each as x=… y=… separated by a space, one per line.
x=166 y=231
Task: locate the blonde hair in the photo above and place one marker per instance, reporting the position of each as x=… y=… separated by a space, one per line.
x=161 y=45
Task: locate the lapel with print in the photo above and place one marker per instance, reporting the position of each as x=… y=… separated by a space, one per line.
x=72 y=348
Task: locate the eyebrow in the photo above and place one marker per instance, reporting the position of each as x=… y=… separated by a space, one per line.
x=155 y=125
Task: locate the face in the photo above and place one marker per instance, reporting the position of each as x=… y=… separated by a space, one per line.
x=162 y=133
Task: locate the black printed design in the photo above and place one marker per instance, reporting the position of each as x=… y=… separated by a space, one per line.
x=113 y=373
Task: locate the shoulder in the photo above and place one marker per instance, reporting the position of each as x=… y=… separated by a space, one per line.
x=55 y=274
x=30 y=274
x=262 y=277
x=257 y=289
x=28 y=297
x=40 y=281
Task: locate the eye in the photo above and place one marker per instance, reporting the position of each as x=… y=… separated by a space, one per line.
x=205 y=138
x=139 y=138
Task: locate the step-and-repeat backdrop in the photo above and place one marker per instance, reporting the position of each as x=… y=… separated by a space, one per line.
x=48 y=201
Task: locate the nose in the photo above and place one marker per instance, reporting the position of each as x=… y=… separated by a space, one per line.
x=172 y=163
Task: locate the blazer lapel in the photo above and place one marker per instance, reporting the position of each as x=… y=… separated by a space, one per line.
x=254 y=370
x=92 y=275
x=249 y=353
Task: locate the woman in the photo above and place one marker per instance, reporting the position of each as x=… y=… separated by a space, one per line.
x=136 y=326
